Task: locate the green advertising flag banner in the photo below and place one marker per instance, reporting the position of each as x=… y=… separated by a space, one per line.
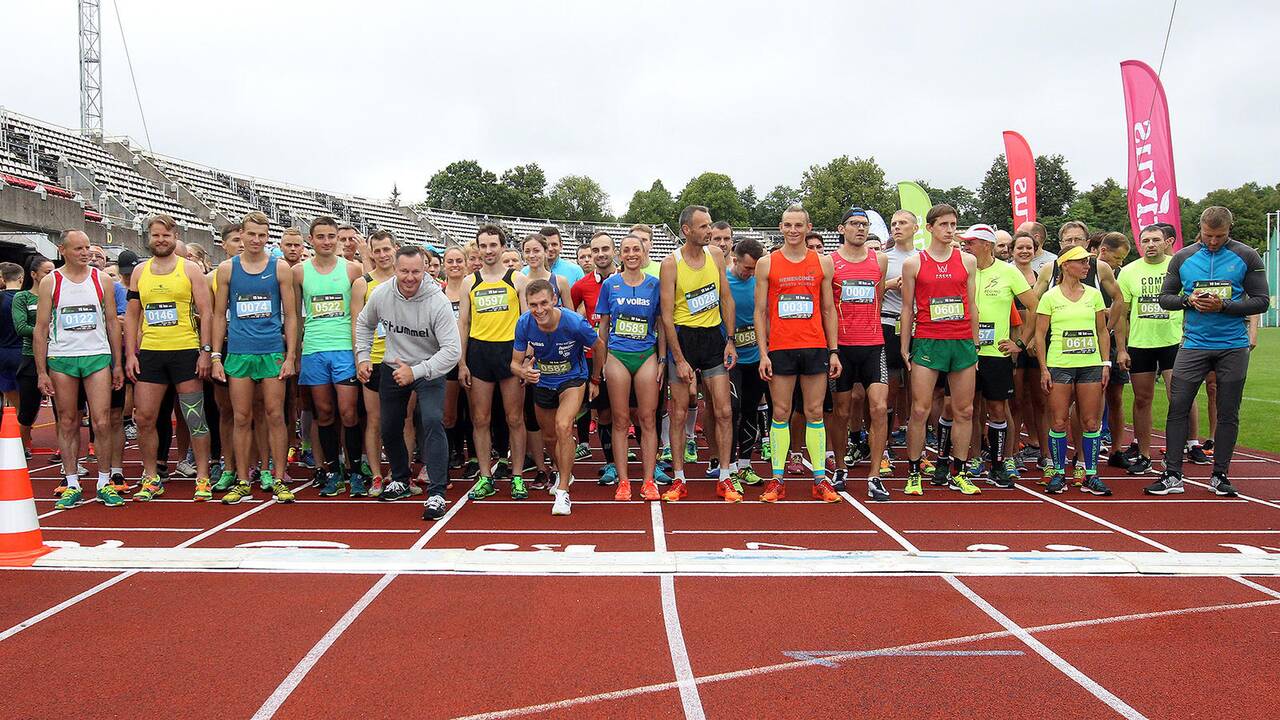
x=915 y=200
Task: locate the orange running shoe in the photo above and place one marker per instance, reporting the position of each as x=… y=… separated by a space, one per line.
x=773 y=492
x=623 y=493
x=649 y=490
x=679 y=491
x=824 y=492
x=725 y=489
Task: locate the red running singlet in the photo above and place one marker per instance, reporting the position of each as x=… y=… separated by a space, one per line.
x=795 y=303
x=853 y=285
x=942 y=299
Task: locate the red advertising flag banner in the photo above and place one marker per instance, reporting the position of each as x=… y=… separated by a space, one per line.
x=1022 y=177
x=1153 y=193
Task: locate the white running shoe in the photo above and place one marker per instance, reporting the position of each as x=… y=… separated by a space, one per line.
x=562 y=505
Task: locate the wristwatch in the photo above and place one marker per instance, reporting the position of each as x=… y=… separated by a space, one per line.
x=206 y=348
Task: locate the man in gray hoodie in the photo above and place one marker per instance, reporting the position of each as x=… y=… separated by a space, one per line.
x=422 y=346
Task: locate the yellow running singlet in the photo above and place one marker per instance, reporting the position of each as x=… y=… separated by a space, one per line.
x=697 y=301
x=168 y=314
x=495 y=308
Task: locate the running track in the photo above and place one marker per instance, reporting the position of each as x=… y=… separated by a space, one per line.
x=1009 y=603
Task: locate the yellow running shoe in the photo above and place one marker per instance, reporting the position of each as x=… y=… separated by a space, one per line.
x=151 y=488
x=960 y=481
x=281 y=492
x=914 y=485
x=886 y=467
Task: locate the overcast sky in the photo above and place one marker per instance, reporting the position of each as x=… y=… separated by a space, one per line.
x=355 y=96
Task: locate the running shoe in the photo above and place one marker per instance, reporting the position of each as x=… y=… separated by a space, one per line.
x=1077 y=475
x=736 y=482
x=823 y=491
x=1004 y=475
x=1118 y=460
x=623 y=493
x=539 y=481
x=609 y=475
x=931 y=440
x=365 y=469
x=831 y=464
x=766 y=449
x=1028 y=455
x=748 y=476
x=282 y=492
x=91 y=456
x=562 y=504
x=1057 y=484
x=518 y=490
x=359 y=486
x=152 y=487
x=455 y=461
x=960 y=481
x=1220 y=485
x=664 y=454
x=876 y=490
x=130 y=431
x=241 y=491
x=394 y=490
x=293 y=455
x=481 y=490
x=649 y=491
x=886 y=467
x=853 y=455
x=974 y=467
x=55 y=457
x=375 y=486
x=837 y=480
x=308 y=459
x=582 y=452
x=927 y=466
x=471 y=469
x=898 y=438
x=433 y=508
x=940 y=477
x=1132 y=452
x=713 y=468
x=660 y=475
x=502 y=469
x=690 y=450
x=1196 y=454
x=265 y=481
x=1094 y=486
x=185 y=469
x=1049 y=471
x=1139 y=466
x=333 y=484
x=226 y=481
x=120 y=485
x=724 y=489
x=108 y=496
x=795 y=465
x=774 y=491
x=915 y=485
x=204 y=491
x=679 y=490
x=69 y=498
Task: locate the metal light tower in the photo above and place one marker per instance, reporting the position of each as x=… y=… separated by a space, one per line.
x=90 y=67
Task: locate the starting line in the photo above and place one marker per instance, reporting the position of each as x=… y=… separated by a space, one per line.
x=772 y=562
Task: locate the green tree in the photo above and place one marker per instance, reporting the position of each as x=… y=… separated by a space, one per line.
x=717 y=193
x=1055 y=191
x=959 y=197
x=654 y=206
x=1249 y=205
x=993 y=204
x=578 y=197
x=768 y=212
x=464 y=186
x=749 y=200
x=1108 y=207
x=524 y=191
x=828 y=190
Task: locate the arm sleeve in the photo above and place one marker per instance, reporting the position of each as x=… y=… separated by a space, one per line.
x=1257 y=294
x=19 y=313
x=1171 y=291
x=445 y=329
x=366 y=324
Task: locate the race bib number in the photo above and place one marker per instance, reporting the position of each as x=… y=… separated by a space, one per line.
x=554 y=367
x=491 y=300
x=1149 y=308
x=986 y=333
x=946 y=308
x=326 y=306
x=79 y=318
x=704 y=298
x=1221 y=288
x=380 y=331
x=861 y=292
x=744 y=337
x=253 y=306
x=161 y=314
x=795 y=307
x=1079 y=342
x=634 y=328
x=455 y=304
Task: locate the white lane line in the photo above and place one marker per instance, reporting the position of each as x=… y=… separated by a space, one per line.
x=1152 y=501
x=690 y=700
x=471 y=531
x=1008 y=532
x=70 y=528
x=1247 y=498
x=321 y=530
x=772 y=532
x=855 y=655
x=1260 y=588
x=878 y=522
x=1088 y=683
x=1096 y=519
x=1210 y=532
x=308 y=661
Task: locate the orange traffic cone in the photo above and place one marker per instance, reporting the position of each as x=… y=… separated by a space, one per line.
x=20 y=539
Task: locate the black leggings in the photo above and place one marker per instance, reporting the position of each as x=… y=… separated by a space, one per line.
x=29 y=395
x=747 y=389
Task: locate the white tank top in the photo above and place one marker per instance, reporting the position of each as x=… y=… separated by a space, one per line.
x=77 y=327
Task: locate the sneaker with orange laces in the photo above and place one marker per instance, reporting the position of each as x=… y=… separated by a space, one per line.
x=773 y=492
x=649 y=490
x=623 y=493
x=725 y=489
x=679 y=491
x=824 y=492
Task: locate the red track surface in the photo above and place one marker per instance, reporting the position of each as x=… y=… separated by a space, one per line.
x=303 y=645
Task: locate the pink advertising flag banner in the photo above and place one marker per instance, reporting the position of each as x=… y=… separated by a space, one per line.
x=1153 y=194
x=1022 y=178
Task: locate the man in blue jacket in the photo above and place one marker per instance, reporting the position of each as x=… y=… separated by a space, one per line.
x=1218 y=283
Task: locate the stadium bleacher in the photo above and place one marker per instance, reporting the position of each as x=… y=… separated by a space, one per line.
x=460 y=228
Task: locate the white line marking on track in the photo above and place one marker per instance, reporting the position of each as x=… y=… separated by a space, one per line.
x=1095 y=518
x=1149 y=502
x=545 y=532
x=690 y=700
x=854 y=655
x=772 y=532
x=322 y=530
x=1210 y=532
x=121 y=529
x=878 y=522
x=1248 y=498
x=1088 y=683
x=1008 y=532
x=1260 y=588
x=308 y=661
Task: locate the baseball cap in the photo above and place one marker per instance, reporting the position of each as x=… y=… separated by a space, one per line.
x=852 y=212
x=1075 y=253
x=127 y=260
x=981 y=231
